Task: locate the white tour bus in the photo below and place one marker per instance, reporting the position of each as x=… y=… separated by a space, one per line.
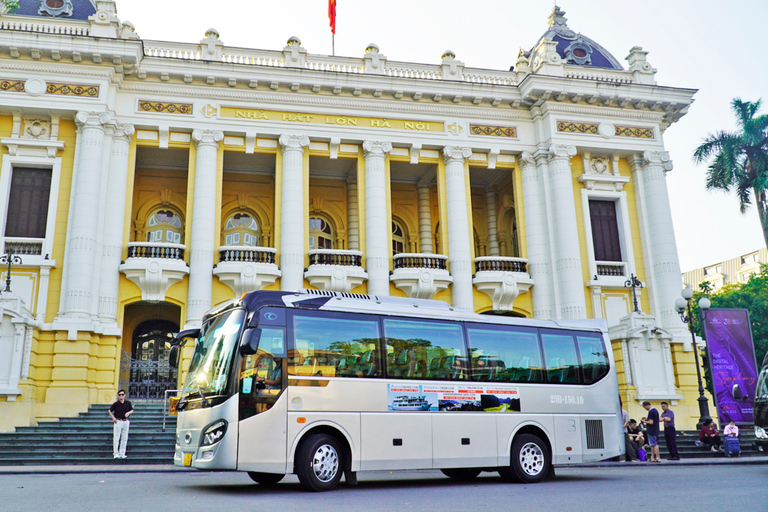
x=325 y=384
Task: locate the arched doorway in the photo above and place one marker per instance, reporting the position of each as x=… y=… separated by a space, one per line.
x=146 y=372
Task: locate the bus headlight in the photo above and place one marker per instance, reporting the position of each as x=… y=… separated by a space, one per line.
x=214 y=433
x=760 y=433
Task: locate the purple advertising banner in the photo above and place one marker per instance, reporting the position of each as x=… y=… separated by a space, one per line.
x=731 y=363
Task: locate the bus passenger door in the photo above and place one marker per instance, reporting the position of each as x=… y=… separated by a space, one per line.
x=464 y=439
x=262 y=414
x=396 y=440
x=567 y=442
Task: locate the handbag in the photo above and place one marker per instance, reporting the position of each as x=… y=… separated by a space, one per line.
x=641 y=454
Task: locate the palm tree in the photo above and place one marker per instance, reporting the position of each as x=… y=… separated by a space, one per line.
x=739 y=160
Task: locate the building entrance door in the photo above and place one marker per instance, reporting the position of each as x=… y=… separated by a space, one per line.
x=145 y=372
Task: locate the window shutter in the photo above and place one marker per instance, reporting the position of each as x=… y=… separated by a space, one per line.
x=28 y=203
x=605 y=230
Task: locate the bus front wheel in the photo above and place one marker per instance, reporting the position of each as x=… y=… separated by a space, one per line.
x=319 y=463
x=530 y=460
x=266 y=479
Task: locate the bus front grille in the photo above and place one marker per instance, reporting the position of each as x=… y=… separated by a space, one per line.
x=594 y=431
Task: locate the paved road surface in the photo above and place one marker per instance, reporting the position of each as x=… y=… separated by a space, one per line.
x=626 y=487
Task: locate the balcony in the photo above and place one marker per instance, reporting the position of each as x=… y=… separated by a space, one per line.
x=421 y=276
x=154 y=267
x=335 y=270
x=246 y=269
x=502 y=279
x=609 y=274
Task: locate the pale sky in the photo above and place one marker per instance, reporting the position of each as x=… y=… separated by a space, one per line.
x=713 y=46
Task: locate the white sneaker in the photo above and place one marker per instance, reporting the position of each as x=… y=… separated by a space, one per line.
x=116 y=457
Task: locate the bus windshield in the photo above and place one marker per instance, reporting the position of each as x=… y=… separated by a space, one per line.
x=209 y=369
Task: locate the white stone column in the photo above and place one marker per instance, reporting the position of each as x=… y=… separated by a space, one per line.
x=425 y=220
x=662 y=264
x=568 y=272
x=292 y=210
x=353 y=214
x=203 y=236
x=493 y=240
x=459 y=243
x=82 y=232
x=534 y=204
x=114 y=221
x=377 y=223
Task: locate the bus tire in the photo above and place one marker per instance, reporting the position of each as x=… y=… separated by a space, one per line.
x=463 y=474
x=319 y=463
x=265 y=479
x=529 y=462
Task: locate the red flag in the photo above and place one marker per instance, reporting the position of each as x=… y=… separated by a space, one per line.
x=332 y=14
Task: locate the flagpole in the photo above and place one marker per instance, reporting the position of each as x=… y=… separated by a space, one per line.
x=333 y=44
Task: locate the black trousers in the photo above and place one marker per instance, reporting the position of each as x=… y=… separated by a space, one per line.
x=670 y=436
x=630 y=450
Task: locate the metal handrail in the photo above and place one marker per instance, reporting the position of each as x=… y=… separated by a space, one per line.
x=166 y=403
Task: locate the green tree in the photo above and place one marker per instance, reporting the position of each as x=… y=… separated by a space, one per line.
x=11 y=4
x=739 y=160
x=752 y=296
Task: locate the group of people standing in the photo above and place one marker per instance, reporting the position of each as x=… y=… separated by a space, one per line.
x=637 y=438
x=645 y=435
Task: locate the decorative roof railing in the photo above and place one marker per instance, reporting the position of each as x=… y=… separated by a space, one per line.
x=277 y=58
x=617 y=76
x=70 y=28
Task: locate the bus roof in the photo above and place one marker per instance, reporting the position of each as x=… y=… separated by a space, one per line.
x=396 y=306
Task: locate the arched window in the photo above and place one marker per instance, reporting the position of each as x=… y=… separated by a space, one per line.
x=320 y=233
x=398 y=238
x=242 y=229
x=165 y=226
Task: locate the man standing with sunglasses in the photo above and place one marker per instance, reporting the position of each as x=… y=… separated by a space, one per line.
x=119 y=412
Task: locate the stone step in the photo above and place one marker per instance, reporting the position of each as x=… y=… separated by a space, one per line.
x=87 y=439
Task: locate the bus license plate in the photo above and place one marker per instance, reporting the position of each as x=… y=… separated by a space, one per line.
x=187 y=459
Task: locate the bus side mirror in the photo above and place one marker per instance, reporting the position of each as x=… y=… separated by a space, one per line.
x=180 y=338
x=173 y=356
x=250 y=342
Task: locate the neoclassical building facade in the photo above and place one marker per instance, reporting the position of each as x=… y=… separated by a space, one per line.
x=143 y=182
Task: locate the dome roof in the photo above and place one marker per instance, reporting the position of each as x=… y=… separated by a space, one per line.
x=63 y=9
x=575 y=48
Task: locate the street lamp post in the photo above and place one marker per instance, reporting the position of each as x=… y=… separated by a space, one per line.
x=11 y=259
x=683 y=307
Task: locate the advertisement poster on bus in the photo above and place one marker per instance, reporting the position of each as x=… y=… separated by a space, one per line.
x=438 y=397
x=732 y=363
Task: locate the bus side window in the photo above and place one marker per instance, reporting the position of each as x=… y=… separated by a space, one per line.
x=504 y=353
x=424 y=349
x=562 y=360
x=335 y=345
x=594 y=358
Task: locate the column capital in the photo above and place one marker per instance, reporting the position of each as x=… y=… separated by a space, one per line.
x=527 y=159
x=293 y=142
x=560 y=152
x=657 y=158
x=207 y=137
x=124 y=132
x=375 y=148
x=92 y=120
x=456 y=154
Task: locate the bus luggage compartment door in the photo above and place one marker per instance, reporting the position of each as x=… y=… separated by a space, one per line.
x=396 y=440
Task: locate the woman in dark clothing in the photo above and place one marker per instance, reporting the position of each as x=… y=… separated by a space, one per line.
x=708 y=435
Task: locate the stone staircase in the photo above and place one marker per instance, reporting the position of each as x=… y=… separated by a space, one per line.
x=87 y=439
x=688 y=450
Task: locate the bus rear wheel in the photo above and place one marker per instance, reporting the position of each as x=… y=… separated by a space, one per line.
x=463 y=474
x=319 y=463
x=266 y=479
x=530 y=460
